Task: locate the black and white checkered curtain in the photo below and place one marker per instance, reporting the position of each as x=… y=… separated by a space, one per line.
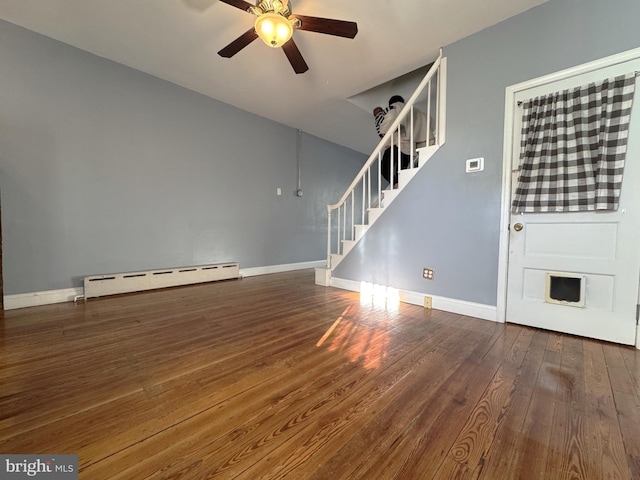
x=573 y=148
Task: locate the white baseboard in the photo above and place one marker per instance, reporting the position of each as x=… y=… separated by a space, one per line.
x=33 y=299
x=471 y=309
x=287 y=267
x=345 y=284
x=462 y=307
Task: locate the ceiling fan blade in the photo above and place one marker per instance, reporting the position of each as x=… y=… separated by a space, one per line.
x=295 y=57
x=339 y=28
x=241 y=4
x=239 y=43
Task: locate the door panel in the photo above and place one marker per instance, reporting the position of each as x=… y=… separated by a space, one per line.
x=569 y=240
x=578 y=272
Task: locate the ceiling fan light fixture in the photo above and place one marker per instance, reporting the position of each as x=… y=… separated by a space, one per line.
x=274 y=24
x=274 y=29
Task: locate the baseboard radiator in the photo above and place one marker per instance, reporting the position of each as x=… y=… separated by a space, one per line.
x=115 y=283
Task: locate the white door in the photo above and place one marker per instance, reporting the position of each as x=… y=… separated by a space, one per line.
x=578 y=273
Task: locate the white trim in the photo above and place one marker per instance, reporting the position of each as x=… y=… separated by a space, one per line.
x=34 y=299
x=510 y=95
x=462 y=307
x=351 y=285
x=323 y=276
x=593 y=66
x=442 y=84
x=505 y=213
x=287 y=267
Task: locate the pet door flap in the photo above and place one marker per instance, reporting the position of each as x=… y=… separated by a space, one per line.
x=565 y=289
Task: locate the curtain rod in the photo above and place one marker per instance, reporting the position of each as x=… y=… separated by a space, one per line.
x=636 y=73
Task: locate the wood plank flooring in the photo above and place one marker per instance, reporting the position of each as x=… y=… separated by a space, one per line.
x=274 y=377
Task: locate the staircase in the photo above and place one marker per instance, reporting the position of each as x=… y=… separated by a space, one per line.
x=369 y=195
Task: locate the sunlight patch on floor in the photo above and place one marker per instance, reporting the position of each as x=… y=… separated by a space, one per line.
x=379 y=296
x=364 y=341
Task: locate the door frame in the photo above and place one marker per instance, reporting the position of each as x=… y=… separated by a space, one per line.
x=507 y=149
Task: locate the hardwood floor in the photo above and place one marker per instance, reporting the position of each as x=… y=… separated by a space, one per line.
x=275 y=377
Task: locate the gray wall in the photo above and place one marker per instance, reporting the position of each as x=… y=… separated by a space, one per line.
x=447 y=219
x=106 y=169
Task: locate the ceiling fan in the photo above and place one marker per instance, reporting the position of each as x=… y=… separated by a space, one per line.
x=275 y=23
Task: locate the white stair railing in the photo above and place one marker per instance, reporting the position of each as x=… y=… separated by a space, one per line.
x=368 y=195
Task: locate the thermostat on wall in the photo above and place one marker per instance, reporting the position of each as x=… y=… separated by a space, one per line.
x=475 y=164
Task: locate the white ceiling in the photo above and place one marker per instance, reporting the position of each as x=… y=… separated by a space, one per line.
x=178 y=40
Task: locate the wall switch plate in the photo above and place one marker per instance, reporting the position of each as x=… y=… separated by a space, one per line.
x=278 y=191
x=427 y=273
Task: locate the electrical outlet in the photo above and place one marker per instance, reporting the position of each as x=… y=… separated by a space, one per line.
x=427 y=273
x=427 y=302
